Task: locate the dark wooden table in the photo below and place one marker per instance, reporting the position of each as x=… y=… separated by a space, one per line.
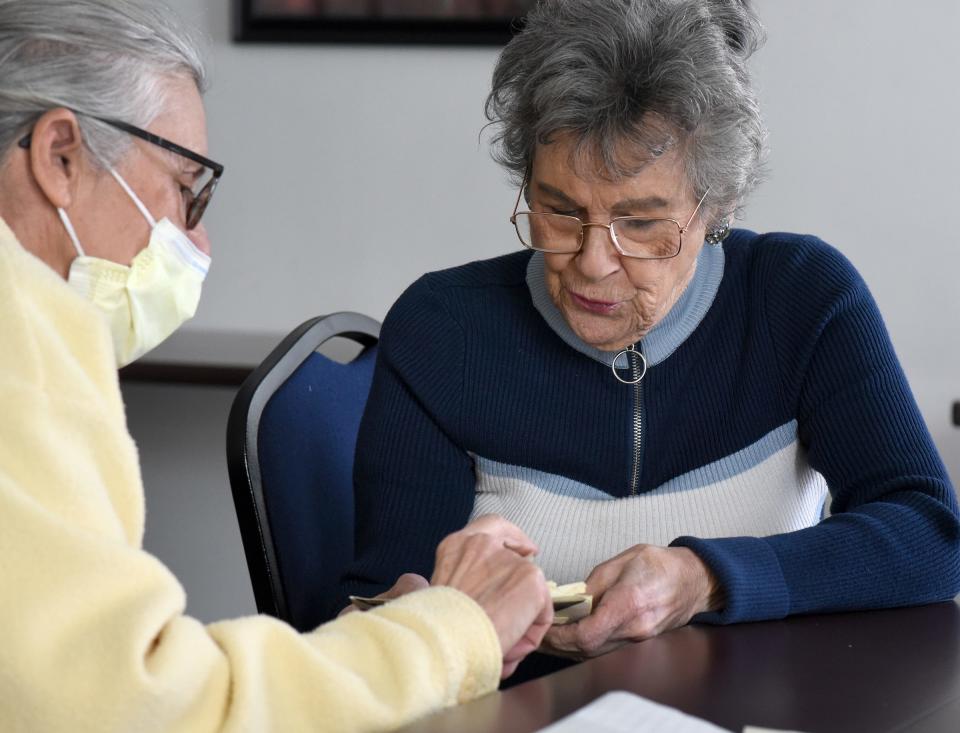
x=869 y=672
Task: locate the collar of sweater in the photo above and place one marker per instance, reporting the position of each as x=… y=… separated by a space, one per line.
x=667 y=335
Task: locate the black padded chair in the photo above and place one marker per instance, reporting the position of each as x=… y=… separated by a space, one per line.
x=291 y=436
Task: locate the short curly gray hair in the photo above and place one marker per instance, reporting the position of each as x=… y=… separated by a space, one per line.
x=105 y=58
x=630 y=79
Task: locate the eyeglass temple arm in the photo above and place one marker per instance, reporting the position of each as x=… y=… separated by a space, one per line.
x=217 y=168
x=165 y=144
x=699 y=204
x=516 y=206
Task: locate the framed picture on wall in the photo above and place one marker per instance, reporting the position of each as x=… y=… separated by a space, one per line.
x=378 y=21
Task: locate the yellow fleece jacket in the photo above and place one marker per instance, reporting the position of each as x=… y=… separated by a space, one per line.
x=93 y=635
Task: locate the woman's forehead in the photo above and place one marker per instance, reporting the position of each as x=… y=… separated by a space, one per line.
x=183 y=119
x=559 y=166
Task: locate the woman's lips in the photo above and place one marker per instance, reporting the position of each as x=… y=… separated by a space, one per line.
x=594 y=306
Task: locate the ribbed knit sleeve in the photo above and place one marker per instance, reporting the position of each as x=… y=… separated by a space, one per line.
x=413 y=483
x=893 y=536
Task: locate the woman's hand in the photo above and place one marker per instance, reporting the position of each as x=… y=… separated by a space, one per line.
x=406 y=583
x=638 y=594
x=489 y=561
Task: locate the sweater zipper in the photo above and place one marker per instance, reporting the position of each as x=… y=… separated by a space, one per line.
x=637 y=429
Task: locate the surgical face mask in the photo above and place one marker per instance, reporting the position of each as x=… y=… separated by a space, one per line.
x=151 y=298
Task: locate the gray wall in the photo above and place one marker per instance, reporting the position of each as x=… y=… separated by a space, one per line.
x=352 y=170
x=191 y=524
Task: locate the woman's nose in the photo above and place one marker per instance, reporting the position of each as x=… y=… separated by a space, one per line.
x=598 y=258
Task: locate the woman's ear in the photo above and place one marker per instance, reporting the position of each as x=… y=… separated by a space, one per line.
x=57 y=156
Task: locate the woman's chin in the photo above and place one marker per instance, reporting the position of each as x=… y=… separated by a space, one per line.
x=600 y=332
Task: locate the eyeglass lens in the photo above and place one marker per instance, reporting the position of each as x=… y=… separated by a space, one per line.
x=199 y=198
x=636 y=237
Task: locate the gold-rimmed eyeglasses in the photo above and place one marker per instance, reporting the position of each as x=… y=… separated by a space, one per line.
x=639 y=237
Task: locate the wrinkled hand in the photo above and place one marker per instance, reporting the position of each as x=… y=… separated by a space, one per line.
x=638 y=594
x=406 y=583
x=488 y=560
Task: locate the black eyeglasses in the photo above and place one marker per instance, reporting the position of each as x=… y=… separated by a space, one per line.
x=196 y=202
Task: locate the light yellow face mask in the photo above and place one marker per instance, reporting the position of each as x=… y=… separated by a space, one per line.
x=149 y=300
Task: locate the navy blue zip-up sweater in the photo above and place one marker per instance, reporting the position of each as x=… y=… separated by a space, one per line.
x=770 y=382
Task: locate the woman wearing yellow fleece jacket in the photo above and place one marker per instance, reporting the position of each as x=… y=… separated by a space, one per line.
x=92 y=631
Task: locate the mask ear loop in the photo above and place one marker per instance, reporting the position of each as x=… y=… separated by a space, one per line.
x=143 y=209
x=71 y=232
x=200 y=261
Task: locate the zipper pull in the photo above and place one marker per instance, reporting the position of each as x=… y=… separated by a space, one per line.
x=635 y=359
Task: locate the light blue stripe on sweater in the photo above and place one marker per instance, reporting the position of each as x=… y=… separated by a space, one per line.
x=720 y=470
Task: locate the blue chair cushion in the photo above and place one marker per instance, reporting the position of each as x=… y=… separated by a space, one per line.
x=308 y=433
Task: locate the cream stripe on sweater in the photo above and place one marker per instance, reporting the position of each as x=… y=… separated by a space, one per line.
x=768 y=488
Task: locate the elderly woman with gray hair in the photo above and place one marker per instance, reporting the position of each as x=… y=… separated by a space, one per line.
x=662 y=403
x=103 y=182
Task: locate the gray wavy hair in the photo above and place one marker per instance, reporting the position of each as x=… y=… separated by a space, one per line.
x=104 y=58
x=630 y=79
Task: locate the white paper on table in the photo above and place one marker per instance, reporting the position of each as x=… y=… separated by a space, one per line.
x=624 y=712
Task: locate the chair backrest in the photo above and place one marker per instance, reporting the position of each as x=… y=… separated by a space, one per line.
x=291 y=436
